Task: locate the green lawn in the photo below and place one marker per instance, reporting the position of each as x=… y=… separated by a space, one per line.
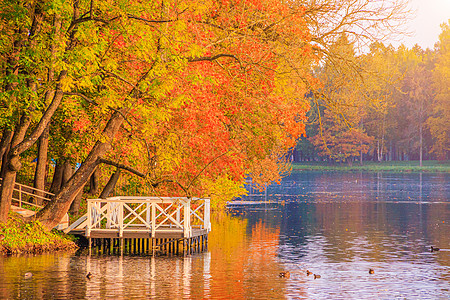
x=392 y=166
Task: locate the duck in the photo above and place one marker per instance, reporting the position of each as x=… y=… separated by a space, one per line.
x=308 y=272
x=434 y=249
x=285 y=274
x=371 y=271
x=317 y=276
x=88 y=275
x=28 y=275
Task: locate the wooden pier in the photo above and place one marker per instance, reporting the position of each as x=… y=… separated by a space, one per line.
x=145 y=224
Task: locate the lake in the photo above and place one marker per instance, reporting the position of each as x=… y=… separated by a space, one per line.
x=336 y=225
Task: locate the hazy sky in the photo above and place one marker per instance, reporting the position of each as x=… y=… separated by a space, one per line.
x=425 y=27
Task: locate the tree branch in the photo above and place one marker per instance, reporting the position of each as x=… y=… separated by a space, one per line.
x=204 y=168
x=87 y=19
x=90 y=101
x=45 y=120
x=150 y=21
x=154 y=185
x=121 y=166
x=212 y=58
x=155 y=21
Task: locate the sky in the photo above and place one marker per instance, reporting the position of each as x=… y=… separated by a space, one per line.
x=425 y=26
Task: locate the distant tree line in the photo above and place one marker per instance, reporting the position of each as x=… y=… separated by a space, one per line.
x=386 y=104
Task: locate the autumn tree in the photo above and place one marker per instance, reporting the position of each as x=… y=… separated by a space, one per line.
x=439 y=120
x=87 y=42
x=420 y=94
x=109 y=67
x=341 y=136
x=362 y=23
x=239 y=111
x=380 y=89
x=190 y=96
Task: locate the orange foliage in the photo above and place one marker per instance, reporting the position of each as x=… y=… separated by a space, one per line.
x=235 y=114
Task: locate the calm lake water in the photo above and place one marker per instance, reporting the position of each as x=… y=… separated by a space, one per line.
x=338 y=225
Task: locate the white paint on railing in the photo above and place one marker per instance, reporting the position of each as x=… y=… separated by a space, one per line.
x=21 y=191
x=22 y=194
x=147 y=214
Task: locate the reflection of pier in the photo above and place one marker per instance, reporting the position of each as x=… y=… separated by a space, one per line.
x=127 y=277
x=144 y=224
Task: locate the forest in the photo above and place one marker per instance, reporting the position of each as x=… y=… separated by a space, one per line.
x=394 y=106
x=190 y=98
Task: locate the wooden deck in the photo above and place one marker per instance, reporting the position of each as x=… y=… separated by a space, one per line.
x=140 y=234
x=177 y=223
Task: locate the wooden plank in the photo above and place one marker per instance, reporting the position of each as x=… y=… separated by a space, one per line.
x=146 y=234
x=199 y=232
x=135 y=234
x=76 y=223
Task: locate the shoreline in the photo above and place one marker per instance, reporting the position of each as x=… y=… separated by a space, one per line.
x=370 y=166
x=19 y=237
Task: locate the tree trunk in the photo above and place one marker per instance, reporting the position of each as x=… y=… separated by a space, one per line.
x=378 y=150
x=57 y=177
x=109 y=187
x=390 y=151
x=41 y=165
x=7 y=187
x=93 y=182
x=19 y=144
x=350 y=161
x=75 y=207
x=67 y=172
x=360 y=155
x=53 y=212
x=420 y=144
x=5 y=146
x=12 y=166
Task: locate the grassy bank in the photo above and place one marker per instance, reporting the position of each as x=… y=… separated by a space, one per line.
x=386 y=166
x=17 y=236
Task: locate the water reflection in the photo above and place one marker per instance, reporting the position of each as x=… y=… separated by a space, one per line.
x=352 y=186
x=336 y=225
x=347 y=239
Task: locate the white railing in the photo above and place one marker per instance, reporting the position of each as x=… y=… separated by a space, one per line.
x=24 y=200
x=147 y=214
x=22 y=194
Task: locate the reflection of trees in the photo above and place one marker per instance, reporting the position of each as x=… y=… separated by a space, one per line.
x=236 y=267
x=348 y=227
x=368 y=215
x=373 y=230
x=13 y=284
x=227 y=245
x=243 y=262
x=375 y=224
x=240 y=263
x=260 y=257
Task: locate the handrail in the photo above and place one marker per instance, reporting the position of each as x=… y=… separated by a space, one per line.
x=26 y=190
x=19 y=197
x=147 y=214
